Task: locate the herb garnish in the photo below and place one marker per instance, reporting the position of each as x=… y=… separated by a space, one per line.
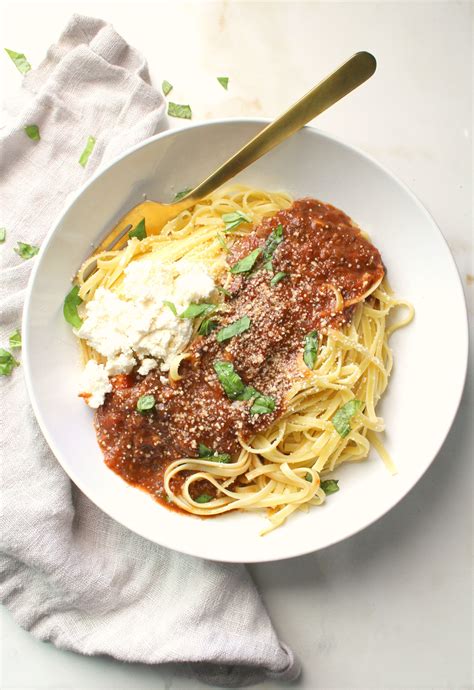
x=177 y=110
x=223 y=290
x=15 y=338
x=209 y=454
x=7 y=362
x=330 y=486
x=207 y=326
x=203 y=498
x=71 y=303
x=343 y=416
x=166 y=86
x=246 y=264
x=309 y=477
x=26 y=251
x=277 y=277
x=183 y=192
x=146 y=403
x=224 y=82
x=195 y=310
x=171 y=306
x=310 y=352
x=3 y=235
x=89 y=147
x=222 y=242
x=139 y=231
x=273 y=240
x=233 y=220
x=19 y=60
x=233 y=329
x=235 y=389
x=33 y=132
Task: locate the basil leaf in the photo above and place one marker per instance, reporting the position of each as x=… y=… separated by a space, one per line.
x=146 y=403
x=183 y=192
x=19 y=60
x=308 y=477
x=195 y=310
x=209 y=454
x=203 y=498
x=3 y=235
x=7 y=362
x=33 y=132
x=233 y=329
x=268 y=265
x=277 y=278
x=71 y=303
x=222 y=242
x=26 y=251
x=166 y=86
x=224 y=82
x=139 y=231
x=273 y=240
x=263 y=404
x=177 y=110
x=246 y=264
x=248 y=393
x=310 y=352
x=341 y=419
x=89 y=147
x=229 y=379
x=207 y=326
x=223 y=290
x=15 y=339
x=330 y=486
x=233 y=220
x=171 y=306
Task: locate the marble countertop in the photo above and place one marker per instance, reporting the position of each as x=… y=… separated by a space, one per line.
x=390 y=607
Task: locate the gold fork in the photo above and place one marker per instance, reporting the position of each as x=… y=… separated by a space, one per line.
x=345 y=79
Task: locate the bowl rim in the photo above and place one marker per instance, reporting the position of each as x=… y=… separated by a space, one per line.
x=53 y=230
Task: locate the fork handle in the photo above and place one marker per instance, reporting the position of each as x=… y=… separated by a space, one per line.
x=345 y=79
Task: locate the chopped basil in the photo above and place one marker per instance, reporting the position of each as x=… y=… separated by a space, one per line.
x=310 y=352
x=166 y=86
x=273 y=240
x=183 y=192
x=224 y=82
x=7 y=362
x=139 y=231
x=20 y=61
x=277 y=278
x=203 y=498
x=222 y=242
x=233 y=220
x=89 y=147
x=33 y=132
x=26 y=251
x=309 y=477
x=209 y=454
x=233 y=329
x=229 y=379
x=3 y=235
x=195 y=310
x=177 y=110
x=330 y=486
x=246 y=264
x=263 y=404
x=343 y=416
x=223 y=290
x=171 y=306
x=71 y=303
x=15 y=338
x=207 y=326
x=146 y=403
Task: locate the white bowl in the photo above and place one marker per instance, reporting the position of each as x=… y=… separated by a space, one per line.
x=430 y=355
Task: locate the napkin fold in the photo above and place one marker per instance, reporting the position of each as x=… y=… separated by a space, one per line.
x=70 y=574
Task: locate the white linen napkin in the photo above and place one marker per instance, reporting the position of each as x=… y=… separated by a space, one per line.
x=70 y=574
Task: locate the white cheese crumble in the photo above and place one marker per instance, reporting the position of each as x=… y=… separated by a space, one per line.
x=131 y=325
x=94 y=383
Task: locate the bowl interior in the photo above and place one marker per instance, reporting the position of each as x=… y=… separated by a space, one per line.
x=419 y=266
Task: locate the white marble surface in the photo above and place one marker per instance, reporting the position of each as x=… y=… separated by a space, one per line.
x=389 y=608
